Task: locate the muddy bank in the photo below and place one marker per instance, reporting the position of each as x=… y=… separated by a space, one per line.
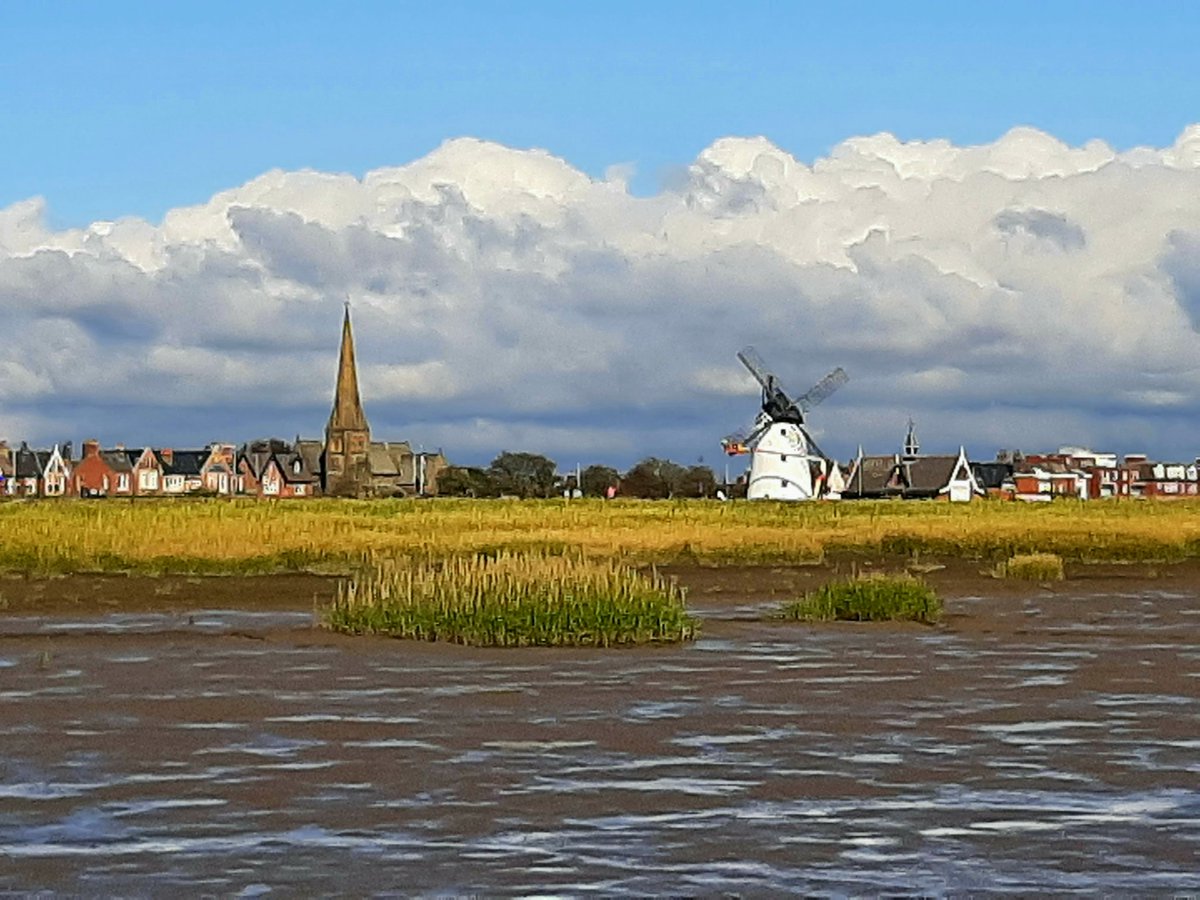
x=710 y=589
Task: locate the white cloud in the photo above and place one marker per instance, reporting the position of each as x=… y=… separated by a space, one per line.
x=502 y=296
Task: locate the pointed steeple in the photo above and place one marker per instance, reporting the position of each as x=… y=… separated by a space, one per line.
x=912 y=447
x=347 y=411
x=345 y=468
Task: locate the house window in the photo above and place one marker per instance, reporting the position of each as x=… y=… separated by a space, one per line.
x=123 y=482
x=299 y=491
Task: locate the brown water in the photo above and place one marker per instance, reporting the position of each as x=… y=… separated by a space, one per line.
x=1034 y=743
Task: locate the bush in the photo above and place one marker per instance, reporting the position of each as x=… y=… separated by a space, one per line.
x=509 y=600
x=870 y=598
x=1033 y=567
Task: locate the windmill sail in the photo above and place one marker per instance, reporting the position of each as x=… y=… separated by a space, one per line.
x=823 y=388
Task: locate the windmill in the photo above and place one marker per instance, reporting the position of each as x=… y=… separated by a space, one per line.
x=782 y=448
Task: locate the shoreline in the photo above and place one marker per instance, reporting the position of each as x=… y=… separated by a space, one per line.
x=713 y=592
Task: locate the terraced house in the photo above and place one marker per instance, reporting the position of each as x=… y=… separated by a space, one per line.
x=347 y=463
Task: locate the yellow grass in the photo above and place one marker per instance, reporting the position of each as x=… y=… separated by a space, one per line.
x=248 y=536
x=1033 y=567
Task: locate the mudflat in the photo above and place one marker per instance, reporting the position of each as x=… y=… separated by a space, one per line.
x=201 y=734
x=953 y=578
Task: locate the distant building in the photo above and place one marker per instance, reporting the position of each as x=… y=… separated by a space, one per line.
x=911 y=476
x=352 y=465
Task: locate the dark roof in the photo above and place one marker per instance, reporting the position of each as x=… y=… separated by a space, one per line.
x=391 y=460
x=869 y=476
x=992 y=475
x=928 y=474
x=294 y=468
x=134 y=454
x=312 y=451
x=117 y=460
x=31 y=463
x=183 y=462
x=883 y=476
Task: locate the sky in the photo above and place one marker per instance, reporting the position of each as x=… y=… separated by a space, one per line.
x=557 y=223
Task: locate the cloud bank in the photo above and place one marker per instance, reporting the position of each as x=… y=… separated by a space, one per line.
x=1021 y=293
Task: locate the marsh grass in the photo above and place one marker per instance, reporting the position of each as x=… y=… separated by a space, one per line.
x=500 y=599
x=247 y=537
x=1032 y=567
x=868 y=598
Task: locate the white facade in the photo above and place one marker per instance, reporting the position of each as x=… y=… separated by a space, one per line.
x=779 y=467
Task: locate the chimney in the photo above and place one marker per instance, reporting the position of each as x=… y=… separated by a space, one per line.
x=91 y=448
x=167 y=454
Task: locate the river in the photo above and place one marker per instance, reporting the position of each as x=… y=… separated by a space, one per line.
x=1046 y=742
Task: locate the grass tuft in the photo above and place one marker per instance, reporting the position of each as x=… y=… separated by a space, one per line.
x=508 y=600
x=1033 y=567
x=869 y=598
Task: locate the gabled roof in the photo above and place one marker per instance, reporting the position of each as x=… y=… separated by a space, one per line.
x=117 y=460
x=135 y=455
x=390 y=460
x=869 y=475
x=929 y=474
x=31 y=463
x=293 y=468
x=184 y=462
x=992 y=475
x=312 y=451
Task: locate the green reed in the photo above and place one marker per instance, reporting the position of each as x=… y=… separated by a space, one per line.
x=1032 y=567
x=509 y=600
x=869 y=598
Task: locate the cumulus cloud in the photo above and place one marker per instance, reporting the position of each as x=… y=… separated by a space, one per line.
x=1019 y=293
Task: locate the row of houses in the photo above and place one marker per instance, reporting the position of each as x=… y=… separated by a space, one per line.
x=346 y=464
x=1073 y=472
x=269 y=469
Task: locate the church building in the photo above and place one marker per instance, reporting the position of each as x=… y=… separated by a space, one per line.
x=352 y=465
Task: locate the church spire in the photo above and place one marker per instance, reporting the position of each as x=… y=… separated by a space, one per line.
x=346 y=471
x=347 y=411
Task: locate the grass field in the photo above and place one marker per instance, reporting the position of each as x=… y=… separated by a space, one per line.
x=246 y=537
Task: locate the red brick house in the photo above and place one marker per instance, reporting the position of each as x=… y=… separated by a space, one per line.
x=1163 y=481
x=275 y=469
x=101 y=473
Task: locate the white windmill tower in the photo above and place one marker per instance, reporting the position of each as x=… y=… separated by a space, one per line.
x=783 y=452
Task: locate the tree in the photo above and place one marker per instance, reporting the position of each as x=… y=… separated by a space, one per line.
x=596 y=480
x=654 y=479
x=466 y=481
x=698 y=481
x=523 y=474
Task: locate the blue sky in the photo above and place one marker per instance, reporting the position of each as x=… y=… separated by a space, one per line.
x=926 y=211
x=134 y=108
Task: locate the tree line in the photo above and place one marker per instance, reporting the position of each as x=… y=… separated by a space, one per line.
x=530 y=475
